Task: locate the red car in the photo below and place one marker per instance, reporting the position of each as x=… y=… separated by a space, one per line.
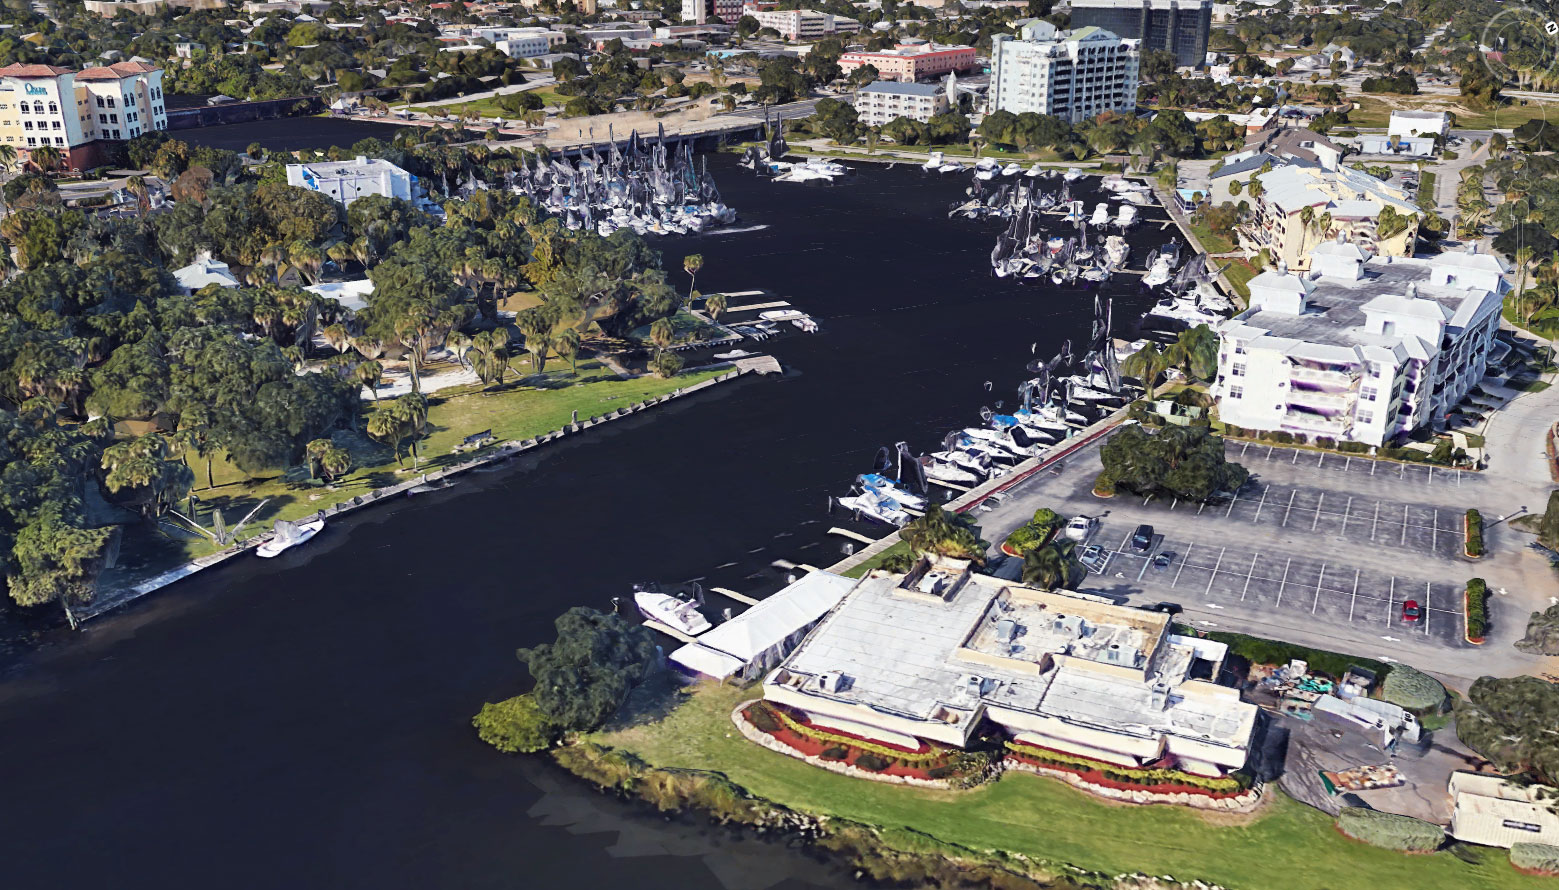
x=1412 y=611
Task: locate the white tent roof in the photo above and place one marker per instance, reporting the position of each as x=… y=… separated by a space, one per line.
x=736 y=643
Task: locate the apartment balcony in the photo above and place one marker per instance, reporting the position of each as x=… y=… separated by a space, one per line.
x=1305 y=422
x=1322 y=377
x=1322 y=400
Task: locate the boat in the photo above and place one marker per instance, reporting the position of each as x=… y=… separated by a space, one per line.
x=1012 y=169
x=968 y=461
x=1139 y=198
x=1184 y=309
x=871 y=505
x=948 y=474
x=1037 y=170
x=1072 y=173
x=1116 y=251
x=1159 y=271
x=288 y=535
x=1101 y=215
x=1127 y=217
x=999 y=440
x=675 y=612
x=733 y=354
x=933 y=163
x=890 y=489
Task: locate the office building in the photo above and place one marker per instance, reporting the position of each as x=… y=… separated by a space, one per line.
x=909 y=62
x=346 y=181
x=1177 y=26
x=805 y=24
x=942 y=653
x=1361 y=348
x=1073 y=75
x=883 y=101
x=79 y=113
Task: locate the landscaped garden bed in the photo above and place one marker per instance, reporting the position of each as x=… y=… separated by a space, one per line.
x=1157 y=779
x=1473 y=528
x=1476 y=613
x=930 y=763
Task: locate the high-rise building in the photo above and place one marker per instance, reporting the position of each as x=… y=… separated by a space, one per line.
x=77 y=112
x=700 y=12
x=1073 y=75
x=1178 y=26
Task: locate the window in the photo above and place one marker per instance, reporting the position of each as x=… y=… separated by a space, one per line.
x=1368 y=393
x=113 y=118
x=23 y=107
x=58 y=141
x=32 y=140
x=1366 y=417
x=1236 y=392
x=1238 y=349
x=110 y=101
x=54 y=108
x=55 y=125
x=27 y=125
x=99 y=101
x=37 y=108
x=102 y=118
x=1239 y=370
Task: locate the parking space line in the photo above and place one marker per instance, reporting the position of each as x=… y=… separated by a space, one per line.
x=1390 y=599
x=1243 y=449
x=1145 y=560
x=1285 y=579
x=1376 y=526
x=1318 y=582
x=1458 y=478
x=1231 y=505
x=1174 y=503
x=1319 y=501
x=1260 y=505
x=1401 y=471
x=1200 y=507
x=1355 y=600
x=1296 y=457
x=1373 y=465
x=1183 y=560
x=1249 y=575
x=1322 y=459
x=1345 y=511
x=1124 y=541
x=1404 y=525
x=1269 y=452
x=1290 y=506
x=1347 y=464
x=1429 y=480
x=1427 y=587
x=1434 y=535
x=1215 y=572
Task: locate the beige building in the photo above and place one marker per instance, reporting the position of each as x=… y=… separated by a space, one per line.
x=880 y=102
x=76 y=112
x=940 y=652
x=1342 y=203
x=1496 y=812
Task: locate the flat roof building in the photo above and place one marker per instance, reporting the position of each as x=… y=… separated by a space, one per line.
x=346 y=181
x=1177 y=26
x=939 y=652
x=1360 y=348
x=1496 y=812
x=1342 y=202
x=882 y=101
x=909 y=62
x=1072 y=75
x=756 y=640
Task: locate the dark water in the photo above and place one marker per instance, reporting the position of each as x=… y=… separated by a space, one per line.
x=288 y=134
x=304 y=721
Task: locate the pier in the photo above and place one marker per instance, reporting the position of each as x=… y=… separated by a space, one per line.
x=668 y=630
x=739 y=597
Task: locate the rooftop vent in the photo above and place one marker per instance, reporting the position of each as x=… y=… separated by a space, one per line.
x=1282 y=267
x=833 y=681
x=1006 y=629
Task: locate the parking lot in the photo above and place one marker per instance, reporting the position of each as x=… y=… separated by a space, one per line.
x=1327 y=549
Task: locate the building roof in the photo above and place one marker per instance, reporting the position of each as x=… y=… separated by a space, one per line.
x=1342 y=192
x=116 y=71
x=1495 y=811
x=352 y=295
x=1342 y=248
x=24 y=71
x=943 y=640
x=740 y=641
x=1436 y=116
x=910 y=89
x=204 y=271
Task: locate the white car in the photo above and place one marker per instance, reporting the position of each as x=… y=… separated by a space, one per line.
x=1081 y=527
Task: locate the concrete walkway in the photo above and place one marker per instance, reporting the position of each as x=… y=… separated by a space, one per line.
x=539 y=83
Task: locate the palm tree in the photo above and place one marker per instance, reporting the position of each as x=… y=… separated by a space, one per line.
x=370 y=373
x=691 y=264
x=1523 y=265
x=400 y=419
x=663 y=333
x=1146 y=364
x=490 y=355
x=46 y=157
x=338 y=337
x=567 y=346
x=714 y=305
x=1050 y=566
x=944 y=534
x=315 y=451
x=308 y=259
x=7 y=157
x=335 y=463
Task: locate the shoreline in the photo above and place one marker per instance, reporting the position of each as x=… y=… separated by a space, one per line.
x=116 y=598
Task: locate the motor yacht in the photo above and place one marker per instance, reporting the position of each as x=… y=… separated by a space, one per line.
x=674 y=612
x=288 y=535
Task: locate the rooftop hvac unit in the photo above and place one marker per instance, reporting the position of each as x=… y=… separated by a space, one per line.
x=1006 y=629
x=833 y=681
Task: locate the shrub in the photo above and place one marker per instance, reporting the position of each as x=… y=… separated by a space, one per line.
x=1027 y=537
x=1412 y=689
x=1390 y=831
x=1104 y=484
x=835 y=753
x=1477 y=609
x=871 y=762
x=763 y=719
x=1449 y=155
x=1261 y=651
x=826 y=737
x=1353 y=447
x=515 y=725
x=1145 y=777
x=1535 y=857
x=1474 y=534
x=1325 y=442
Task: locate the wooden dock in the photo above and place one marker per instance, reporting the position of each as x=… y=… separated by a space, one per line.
x=669 y=631
x=854 y=536
x=739 y=597
x=761 y=364
x=750 y=307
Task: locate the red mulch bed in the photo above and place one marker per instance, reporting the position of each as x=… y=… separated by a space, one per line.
x=811 y=747
x=1094 y=777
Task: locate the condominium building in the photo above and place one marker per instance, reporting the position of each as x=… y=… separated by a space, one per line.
x=1269 y=148
x=346 y=181
x=1341 y=202
x=909 y=62
x=79 y=112
x=1177 y=26
x=941 y=653
x=1073 y=75
x=805 y=24
x=1360 y=348
x=701 y=12
x=883 y=101
x=522 y=43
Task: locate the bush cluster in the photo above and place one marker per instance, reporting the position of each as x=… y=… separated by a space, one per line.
x=1535 y=857
x=1390 y=831
x=908 y=758
x=1035 y=532
x=515 y=725
x=1145 y=777
x=1412 y=689
x=872 y=762
x=1104 y=484
x=1474 y=534
x=1477 y=609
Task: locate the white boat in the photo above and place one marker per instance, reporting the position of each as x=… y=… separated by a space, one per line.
x=1101 y=215
x=288 y=535
x=950 y=167
x=1116 y=251
x=674 y=612
x=933 y=163
x=1127 y=217
x=1138 y=198
x=970 y=462
x=995 y=439
x=873 y=506
x=782 y=315
x=1072 y=173
x=733 y=354
x=987 y=164
x=884 y=487
x=1037 y=170
x=1159 y=272
x=1184 y=309
x=949 y=474
x=1012 y=169
x=985 y=175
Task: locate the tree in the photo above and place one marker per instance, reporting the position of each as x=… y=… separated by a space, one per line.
x=666 y=364
x=54 y=560
x=490 y=355
x=567 y=346
x=715 y=305
x=1146 y=364
x=585 y=675
x=1195 y=353
x=370 y=374
x=515 y=725
x=663 y=333
x=399 y=419
x=1510 y=721
x=1548 y=526
x=691 y=264
x=1052 y=565
x=1186 y=462
x=944 y=534
x=150 y=471
x=46 y=157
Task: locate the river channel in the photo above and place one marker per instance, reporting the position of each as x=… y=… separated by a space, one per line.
x=304 y=721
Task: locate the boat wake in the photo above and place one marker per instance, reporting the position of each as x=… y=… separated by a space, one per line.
x=738 y=230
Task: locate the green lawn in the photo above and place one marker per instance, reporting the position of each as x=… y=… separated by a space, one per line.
x=488 y=107
x=1287 y=846
x=687 y=327
x=1376 y=112
x=1240 y=272
x=521 y=411
x=1213 y=242
x=867 y=565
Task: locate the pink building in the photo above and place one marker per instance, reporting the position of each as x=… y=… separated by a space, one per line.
x=909 y=62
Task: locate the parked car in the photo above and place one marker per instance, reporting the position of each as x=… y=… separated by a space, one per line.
x=1163 y=560
x=1412 y=611
x=1166 y=608
x=1081 y=527
x=1142 y=539
x=1094 y=557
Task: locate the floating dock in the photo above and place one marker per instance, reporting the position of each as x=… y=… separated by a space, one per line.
x=854 y=536
x=752 y=307
x=739 y=597
x=668 y=630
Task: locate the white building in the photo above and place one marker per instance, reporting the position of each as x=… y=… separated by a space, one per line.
x=203 y=272
x=76 y=111
x=1359 y=349
x=351 y=295
x=1418 y=123
x=346 y=181
x=701 y=12
x=1496 y=812
x=1073 y=75
x=755 y=641
x=805 y=24
x=940 y=652
x=880 y=102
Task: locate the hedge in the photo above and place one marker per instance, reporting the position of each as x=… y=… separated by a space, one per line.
x=1412 y=689
x=1390 y=831
x=1144 y=776
x=1474 y=546
x=1535 y=857
x=1477 y=609
x=1261 y=651
x=826 y=737
x=1026 y=537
